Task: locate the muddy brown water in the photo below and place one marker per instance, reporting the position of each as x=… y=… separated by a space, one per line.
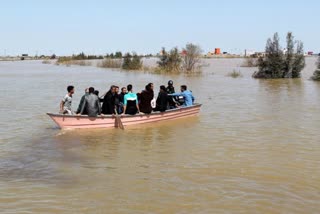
x=254 y=148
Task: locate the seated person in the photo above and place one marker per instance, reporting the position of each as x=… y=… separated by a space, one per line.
x=130 y=102
x=91 y=104
x=187 y=95
x=162 y=100
x=146 y=97
x=86 y=92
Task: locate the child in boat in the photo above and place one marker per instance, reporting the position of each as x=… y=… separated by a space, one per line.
x=65 y=105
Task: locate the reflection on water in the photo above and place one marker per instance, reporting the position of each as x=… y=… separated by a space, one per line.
x=253 y=149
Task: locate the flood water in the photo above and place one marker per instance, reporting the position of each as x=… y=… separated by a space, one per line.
x=254 y=148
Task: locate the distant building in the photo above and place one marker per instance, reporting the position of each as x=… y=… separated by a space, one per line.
x=248 y=53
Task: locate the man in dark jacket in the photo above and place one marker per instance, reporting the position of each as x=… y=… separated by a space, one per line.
x=109 y=101
x=170 y=90
x=91 y=104
x=86 y=92
x=162 y=100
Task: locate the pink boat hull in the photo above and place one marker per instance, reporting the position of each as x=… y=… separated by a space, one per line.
x=83 y=121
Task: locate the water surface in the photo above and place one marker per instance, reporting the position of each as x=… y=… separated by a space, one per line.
x=253 y=149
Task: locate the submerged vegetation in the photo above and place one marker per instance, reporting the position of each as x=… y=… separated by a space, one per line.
x=250 y=62
x=234 y=74
x=110 y=63
x=174 y=61
x=132 y=62
x=79 y=59
x=316 y=74
x=278 y=63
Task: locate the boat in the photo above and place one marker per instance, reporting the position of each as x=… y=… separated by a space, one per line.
x=112 y=121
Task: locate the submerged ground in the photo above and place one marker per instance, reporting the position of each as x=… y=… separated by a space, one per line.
x=253 y=149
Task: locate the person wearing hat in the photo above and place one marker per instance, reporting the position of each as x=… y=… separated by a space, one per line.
x=170 y=90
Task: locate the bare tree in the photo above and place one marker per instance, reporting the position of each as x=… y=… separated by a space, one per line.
x=191 y=57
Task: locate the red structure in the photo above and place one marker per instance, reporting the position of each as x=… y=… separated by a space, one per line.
x=217 y=51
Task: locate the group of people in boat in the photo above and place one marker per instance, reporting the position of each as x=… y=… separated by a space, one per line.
x=126 y=101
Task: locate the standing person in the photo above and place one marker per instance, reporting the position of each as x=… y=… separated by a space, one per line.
x=187 y=95
x=121 y=99
x=65 y=104
x=86 y=92
x=146 y=97
x=170 y=90
x=91 y=104
x=162 y=100
x=130 y=102
x=109 y=101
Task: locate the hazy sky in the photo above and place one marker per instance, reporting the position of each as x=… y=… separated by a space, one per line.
x=101 y=26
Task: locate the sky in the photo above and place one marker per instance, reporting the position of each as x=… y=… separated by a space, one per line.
x=67 y=27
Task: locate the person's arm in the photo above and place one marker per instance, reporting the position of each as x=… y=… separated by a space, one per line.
x=80 y=104
x=137 y=104
x=83 y=106
x=124 y=105
x=99 y=106
x=61 y=106
x=175 y=94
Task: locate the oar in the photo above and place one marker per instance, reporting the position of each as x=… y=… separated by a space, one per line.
x=118 y=120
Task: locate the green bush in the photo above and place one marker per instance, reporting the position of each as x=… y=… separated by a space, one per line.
x=277 y=64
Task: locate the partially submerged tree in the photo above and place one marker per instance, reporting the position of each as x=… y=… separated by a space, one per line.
x=277 y=64
x=316 y=74
x=170 y=61
x=191 y=57
x=131 y=62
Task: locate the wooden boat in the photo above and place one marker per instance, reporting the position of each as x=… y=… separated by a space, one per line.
x=109 y=121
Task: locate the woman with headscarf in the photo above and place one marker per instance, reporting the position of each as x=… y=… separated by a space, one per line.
x=146 y=96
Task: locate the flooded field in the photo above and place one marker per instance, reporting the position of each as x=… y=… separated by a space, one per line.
x=253 y=149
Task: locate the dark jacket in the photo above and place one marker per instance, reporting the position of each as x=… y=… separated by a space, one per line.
x=145 y=101
x=121 y=97
x=108 y=103
x=91 y=105
x=81 y=104
x=171 y=100
x=162 y=101
x=170 y=89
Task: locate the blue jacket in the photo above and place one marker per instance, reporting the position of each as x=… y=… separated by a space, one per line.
x=187 y=95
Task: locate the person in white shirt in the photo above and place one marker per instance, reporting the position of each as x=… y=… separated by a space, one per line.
x=65 y=105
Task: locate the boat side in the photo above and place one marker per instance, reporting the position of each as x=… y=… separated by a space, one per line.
x=109 y=121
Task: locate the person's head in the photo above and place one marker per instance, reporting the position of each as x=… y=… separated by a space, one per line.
x=162 y=88
x=117 y=89
x=86 y=90
x=113 y=89
x=124 y=90
x=70 y=89
x=150 y=86
x=170 y=83
x=183 y=88
x=91 y=90
x=96 y=92
x=129 y=88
